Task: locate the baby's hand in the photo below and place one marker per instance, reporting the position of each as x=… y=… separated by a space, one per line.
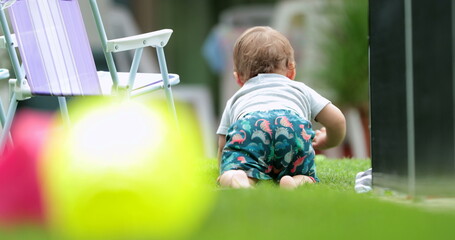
x=320 y=139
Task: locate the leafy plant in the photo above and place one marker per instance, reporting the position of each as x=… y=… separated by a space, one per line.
x=345 y=51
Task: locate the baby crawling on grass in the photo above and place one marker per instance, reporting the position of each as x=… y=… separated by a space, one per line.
x=265 y=130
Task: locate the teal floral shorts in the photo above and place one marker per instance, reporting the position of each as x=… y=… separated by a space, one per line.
x=270 y=145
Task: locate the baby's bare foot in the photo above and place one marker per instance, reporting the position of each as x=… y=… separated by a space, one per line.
x=302 y=179
x=287 y=182
x=240 y=180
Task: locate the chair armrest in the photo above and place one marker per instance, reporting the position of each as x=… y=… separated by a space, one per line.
x=152 y=39
x=3 y=41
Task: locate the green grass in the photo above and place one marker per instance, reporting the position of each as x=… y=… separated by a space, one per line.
x=328 y=210
x=337 y=174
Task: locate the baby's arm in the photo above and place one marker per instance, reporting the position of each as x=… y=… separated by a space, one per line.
x=221 y=143
x=334 y=130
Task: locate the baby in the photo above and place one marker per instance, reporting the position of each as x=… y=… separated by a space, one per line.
x=265 y=130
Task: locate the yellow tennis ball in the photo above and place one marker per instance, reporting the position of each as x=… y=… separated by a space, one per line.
x=124 y=170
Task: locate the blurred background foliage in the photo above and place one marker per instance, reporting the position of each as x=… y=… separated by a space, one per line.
x=191 y=21
x=345 y=50
x=329 y=36
x=342 y=71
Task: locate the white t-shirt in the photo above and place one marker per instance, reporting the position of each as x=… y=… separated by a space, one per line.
x=271 y=91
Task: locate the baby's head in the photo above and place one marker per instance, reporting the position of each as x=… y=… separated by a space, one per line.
x=262 y=50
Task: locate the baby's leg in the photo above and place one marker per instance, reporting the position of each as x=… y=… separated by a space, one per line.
x=236 y=179
x=289 y=182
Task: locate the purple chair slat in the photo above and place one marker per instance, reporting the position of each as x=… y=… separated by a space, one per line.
x=49 y=81
x=22 y=24
x=81 y=47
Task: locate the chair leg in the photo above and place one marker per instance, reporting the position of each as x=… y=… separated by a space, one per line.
x=64 y=110
x=3 y=119
x=9 y=120
x=2 y=113
x=134 y=68
x=4 y=74
x=166 y=83
x=102 y=33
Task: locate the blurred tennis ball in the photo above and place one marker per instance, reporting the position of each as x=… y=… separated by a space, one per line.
x=123 y=170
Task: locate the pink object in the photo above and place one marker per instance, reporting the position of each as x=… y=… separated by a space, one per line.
x=20 y=196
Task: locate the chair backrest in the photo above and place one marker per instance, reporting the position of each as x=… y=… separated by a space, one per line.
x=54 y=47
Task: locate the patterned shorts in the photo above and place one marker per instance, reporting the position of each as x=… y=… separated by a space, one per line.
x=270 y=145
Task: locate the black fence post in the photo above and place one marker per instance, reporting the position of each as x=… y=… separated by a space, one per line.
x=412 y=95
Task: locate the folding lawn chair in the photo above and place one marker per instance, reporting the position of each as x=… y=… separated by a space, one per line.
x=57 y=59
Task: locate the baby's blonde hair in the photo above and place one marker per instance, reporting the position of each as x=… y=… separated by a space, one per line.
x=262 y=50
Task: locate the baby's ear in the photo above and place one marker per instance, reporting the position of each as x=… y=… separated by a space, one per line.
x=238 y=79
x=291 y=72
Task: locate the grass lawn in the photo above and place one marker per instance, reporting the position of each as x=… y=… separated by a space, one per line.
x=328 y=210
